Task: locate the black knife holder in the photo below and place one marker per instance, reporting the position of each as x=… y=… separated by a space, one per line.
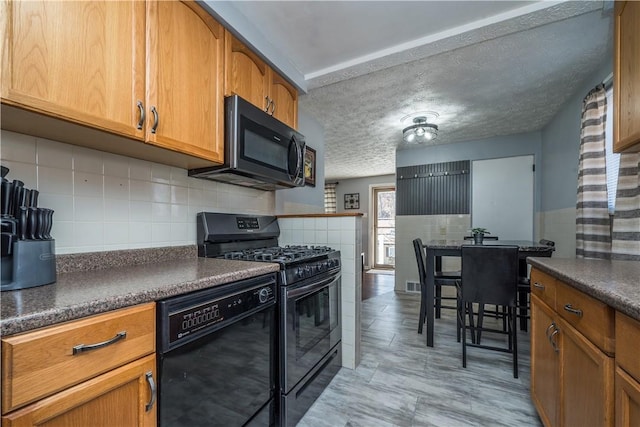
x=32 y=263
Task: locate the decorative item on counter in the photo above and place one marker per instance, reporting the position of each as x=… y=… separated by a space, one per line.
x=27 y=248
x=478 y=234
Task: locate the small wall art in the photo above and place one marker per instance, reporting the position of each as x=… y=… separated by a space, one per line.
x=352 y=201
x=310 y=167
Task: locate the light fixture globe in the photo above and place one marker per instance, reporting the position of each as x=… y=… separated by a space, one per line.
x=420 y=130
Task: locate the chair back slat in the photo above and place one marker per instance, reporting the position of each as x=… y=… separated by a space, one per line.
x=490 y=274
x=417 y=247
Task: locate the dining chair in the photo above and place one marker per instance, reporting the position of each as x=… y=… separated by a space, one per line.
x=447 y=278
x=524 y=290
x=489 y=276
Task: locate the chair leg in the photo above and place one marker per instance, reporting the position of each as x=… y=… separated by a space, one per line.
x=458 y=316
x=480 y=322
x=464 y=338
x=438 y=301
x=423 y=310
x=522 y=309
x=515 y=343
x=472 y=328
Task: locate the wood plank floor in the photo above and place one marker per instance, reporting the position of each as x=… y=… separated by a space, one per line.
x=401 y=382
x=374 y=284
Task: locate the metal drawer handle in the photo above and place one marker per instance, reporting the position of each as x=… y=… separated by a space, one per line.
x=273 y=107
x=553 y=343
x=141 y=108
x=156 y=119
x=82 y=348
x=538 y=285
x=575 y=311
x=551 y=326
x=152 y=386
x=266 y=109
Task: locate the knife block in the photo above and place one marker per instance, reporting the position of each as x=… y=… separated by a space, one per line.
x=33 y=263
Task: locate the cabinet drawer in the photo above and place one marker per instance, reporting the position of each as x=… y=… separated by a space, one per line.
x=592 y=318
x=39 y=363
x=627 y=342
x=544 y=287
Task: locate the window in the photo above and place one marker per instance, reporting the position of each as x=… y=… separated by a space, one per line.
x=613 y=159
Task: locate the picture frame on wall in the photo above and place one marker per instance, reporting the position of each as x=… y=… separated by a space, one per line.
x=352 y=201
x=310 y=167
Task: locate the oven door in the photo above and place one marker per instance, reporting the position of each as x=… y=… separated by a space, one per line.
x=310 y=326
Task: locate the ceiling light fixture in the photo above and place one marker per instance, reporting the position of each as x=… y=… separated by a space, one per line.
x=420 y=130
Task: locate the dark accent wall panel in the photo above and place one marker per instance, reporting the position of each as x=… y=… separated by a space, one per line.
x=434 y=189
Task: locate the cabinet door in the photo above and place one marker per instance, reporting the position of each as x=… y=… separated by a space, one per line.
x=626 y=127
x=80 y=61
x=285 y=100
x=545 y=363
x=627 y=400
x=587 y=378
x=117 y=398
x=246 y=75
x=184 y=79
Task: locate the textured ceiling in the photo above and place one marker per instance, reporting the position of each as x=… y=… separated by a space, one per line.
x=484 y=78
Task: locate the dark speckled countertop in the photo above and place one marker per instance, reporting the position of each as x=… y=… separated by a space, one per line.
x=84 y=293
x=616 y=283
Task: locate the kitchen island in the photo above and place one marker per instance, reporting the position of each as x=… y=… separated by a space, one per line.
x=585 y=317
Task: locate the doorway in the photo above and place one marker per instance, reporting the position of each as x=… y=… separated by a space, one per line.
x=384 y=227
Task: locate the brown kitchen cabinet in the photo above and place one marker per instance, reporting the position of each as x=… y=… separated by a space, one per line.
x=98 y=370
x=627 y=381
x=249 y=77
x=150 y=71
x=78 y=61
x=572 y=367
x=185 y=104
x=626 y=77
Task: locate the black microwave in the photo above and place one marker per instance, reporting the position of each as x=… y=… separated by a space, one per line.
x=260 y=151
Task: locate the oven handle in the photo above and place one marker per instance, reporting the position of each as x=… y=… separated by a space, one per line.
x=313 y=286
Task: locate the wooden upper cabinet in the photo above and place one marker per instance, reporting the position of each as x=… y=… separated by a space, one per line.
x=626 y=76
x=79 y=61
x=185 y=103
x=285 y=100
x=249 y=77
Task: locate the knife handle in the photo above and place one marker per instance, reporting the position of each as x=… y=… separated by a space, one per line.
x=33 y=198
x=32 y=226
x=47 y=230
x=22 y=223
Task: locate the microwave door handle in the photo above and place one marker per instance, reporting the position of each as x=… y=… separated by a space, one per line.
x=298 y=159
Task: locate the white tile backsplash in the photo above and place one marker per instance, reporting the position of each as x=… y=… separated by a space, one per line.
x=104 y=201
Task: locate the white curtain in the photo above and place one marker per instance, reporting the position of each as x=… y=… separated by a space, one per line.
x=593 y=232
x=626 y=222
x=330 y=198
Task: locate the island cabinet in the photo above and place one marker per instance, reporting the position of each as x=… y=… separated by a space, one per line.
x=97 y=371
x=626 y=77
x=572 y=347
x=627 y=382
x=251 y=78
x=148 y=71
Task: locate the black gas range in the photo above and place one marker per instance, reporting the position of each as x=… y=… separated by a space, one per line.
x=255 y=238
x=308 y=302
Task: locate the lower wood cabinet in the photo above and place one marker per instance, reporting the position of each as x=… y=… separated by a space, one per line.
x=95 y=371
x=627 y=371
x=116 y=398
x=572 y=381
x=627 y=400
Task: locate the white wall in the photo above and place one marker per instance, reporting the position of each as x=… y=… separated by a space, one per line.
x=107 y=202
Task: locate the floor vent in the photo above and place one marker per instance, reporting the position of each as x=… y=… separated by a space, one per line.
x=413 y=287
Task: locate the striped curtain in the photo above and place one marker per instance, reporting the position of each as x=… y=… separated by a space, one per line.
x=330 y=198
x=593 y=233
x=626 y=221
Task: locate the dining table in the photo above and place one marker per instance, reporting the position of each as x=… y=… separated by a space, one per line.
x=436 y=249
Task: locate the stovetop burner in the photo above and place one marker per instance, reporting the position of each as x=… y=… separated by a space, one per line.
x=279 y=254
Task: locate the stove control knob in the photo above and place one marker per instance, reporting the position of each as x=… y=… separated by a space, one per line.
x=299 y=273
x=263 y=295
x=307 y=271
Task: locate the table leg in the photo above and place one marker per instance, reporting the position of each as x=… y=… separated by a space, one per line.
x=430 y=267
